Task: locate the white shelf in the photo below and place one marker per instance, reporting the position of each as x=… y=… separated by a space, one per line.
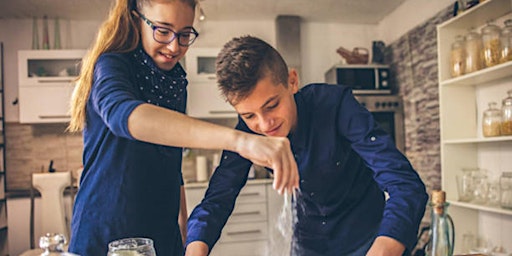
x=485 y=208
x=462 y=101
x=479 y=14
x=478 y=140
x=481 y=76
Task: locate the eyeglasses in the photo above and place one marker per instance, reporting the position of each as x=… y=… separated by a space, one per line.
x=165 y=35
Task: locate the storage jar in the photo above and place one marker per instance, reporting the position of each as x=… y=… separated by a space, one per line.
x=473 y=44
x=491 y=44
x=491 y=120
x=458 y=57
x=506 y=42
x=506 y=115
x=506 y=190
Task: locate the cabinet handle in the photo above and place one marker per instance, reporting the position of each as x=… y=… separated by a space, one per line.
x=220 y=112
x=55 y=116
x=250 y=194
x=55 y=81
x=246 y=232
x=212 y=78
x=246 y=213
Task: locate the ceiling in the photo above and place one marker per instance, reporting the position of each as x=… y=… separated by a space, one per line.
x=344 y=11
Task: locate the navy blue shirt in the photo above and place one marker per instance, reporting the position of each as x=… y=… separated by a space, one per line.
x=346 y=162
x=128 y=188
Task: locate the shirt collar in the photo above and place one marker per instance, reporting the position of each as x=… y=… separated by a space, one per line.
x=298 y=138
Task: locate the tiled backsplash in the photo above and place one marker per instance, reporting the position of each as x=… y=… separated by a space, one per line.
x=30 y=148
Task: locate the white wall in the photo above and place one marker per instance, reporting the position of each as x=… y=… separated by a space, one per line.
x=407 y=16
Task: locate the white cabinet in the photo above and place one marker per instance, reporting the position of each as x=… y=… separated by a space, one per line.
x=204 y=97
x=46 y=82
x=250 y=227
x=462 y=101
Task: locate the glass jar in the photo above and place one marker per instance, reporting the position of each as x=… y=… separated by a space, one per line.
x=506 y=190
x=473 y=46
x=53 y=245
x=491 y=44
x=506 y=115
x=465 y=185
x=506 y=42
x=131 y=246
x=481 y=186
x=491 y=121
x=458 y=57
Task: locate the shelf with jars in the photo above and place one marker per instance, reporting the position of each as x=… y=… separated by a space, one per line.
x=465 y=105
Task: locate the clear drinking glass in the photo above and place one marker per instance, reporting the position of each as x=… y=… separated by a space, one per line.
x=131 y=247
x=481 y=186
x=465 y=185
x=506 y=190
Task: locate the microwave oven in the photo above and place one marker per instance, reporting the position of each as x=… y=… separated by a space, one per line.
x=363 y=79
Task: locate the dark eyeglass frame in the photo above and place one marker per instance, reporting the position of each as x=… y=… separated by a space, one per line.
x=175 y=34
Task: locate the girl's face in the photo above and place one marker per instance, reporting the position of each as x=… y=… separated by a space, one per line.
x=174 y=15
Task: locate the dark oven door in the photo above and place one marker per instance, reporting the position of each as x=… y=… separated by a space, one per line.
x=387 y=111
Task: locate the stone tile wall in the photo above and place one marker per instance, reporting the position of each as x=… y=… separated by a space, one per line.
x=413 y=60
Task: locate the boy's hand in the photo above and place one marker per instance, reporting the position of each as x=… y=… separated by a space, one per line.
x=386 y=246
x=274 y=153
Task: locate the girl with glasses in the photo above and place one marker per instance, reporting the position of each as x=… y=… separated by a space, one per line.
x=129 y=103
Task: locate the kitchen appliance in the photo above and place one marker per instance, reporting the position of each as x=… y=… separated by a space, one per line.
x=389 y=114
x=364 y=79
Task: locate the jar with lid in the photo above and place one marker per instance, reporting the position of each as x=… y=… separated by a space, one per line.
x=131 y=246
x=491 y=44
x=458 y=57
x=473 y=47
x=491 y=120
x=506 y=115
x=506 y=42
x=506 y=190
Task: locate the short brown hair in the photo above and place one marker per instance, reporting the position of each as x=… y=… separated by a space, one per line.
x=243 y=62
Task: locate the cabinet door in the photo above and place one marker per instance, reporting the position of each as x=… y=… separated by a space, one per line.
x=205 y=101
x=49 y=104
x=200 y=64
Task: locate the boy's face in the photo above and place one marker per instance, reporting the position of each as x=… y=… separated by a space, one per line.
x=270 y=108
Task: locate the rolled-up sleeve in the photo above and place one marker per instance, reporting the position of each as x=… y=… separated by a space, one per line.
x=114 y=93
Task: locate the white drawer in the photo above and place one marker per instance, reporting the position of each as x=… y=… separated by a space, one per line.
x=238 y=232
x=248 y=213
x=254 y=248
x=252 y=194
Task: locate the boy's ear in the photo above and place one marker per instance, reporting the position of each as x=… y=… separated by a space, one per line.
x=293 y=80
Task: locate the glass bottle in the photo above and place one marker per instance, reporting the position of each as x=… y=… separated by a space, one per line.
x=506 y=115
x=491 y=44
x=53 y=245
x=131 y=246
x=506 y=190
x=442 y=229
x=491 y=120
x=458 y=57
x=506 y=42
x=473 y=45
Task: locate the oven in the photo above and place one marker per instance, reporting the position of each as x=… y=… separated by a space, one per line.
x=389 y=113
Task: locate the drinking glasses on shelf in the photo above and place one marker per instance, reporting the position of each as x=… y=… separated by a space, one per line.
x=465 y=185
x=481 y=184
x=506 y=190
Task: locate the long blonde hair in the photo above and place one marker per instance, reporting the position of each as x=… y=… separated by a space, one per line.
x=119 y=33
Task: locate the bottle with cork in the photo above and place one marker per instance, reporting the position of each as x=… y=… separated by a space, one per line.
x=442 y=232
